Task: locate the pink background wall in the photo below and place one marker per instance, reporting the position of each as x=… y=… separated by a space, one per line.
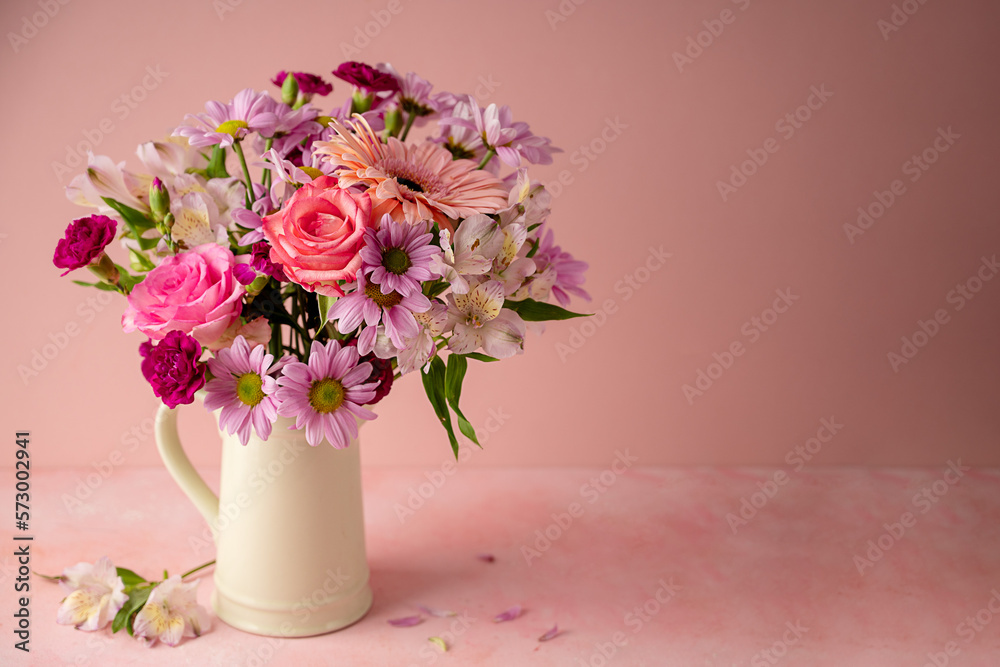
x=650 y=183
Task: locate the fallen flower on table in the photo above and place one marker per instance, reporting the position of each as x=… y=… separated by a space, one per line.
x=171 y=613
x=148 y=610
x=440 y=643
x=406 y=621
x=551 y=634
x=440 y=613
x=486 y=558
x=96 y=593
x=508 y=615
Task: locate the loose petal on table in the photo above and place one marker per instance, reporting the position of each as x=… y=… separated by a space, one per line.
x=406 y=621
x=440 y=613
x=550 y=634
x=486 y=558
x=440 y=643
x=508 y=615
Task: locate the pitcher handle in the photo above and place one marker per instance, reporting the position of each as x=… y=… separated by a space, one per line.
x=180 y=468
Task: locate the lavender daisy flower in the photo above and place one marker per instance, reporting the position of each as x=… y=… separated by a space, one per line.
x=244 y=388
x=326 y=394
x=367 y=304
x=558 y=270
x=398 y=256
x=224 y=124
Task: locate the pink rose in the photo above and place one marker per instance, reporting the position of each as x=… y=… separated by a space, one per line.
x=194 y=292
x=318 y=235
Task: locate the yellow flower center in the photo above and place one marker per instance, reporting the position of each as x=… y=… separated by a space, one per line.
x=249 y=389
x=326 y=395
x=312 y=171
x=232 y=127
x=374 y=292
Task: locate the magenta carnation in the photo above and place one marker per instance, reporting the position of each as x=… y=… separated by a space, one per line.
x=172 y=368
x=367 y=77
x=309 y=84
x=84 y=242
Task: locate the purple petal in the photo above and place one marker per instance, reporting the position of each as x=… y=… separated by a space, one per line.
x=508 y=615
x=406 y=621
x=436 y=612
x=486 y=558
x=550 y=634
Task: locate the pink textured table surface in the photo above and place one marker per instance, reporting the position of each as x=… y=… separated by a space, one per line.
x=653 y=570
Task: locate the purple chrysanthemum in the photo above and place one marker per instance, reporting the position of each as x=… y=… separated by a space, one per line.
x=569 y=272
x=326 y=394
x=398 y=256
x=368 y=304
x=223 y=124
x=244 y=388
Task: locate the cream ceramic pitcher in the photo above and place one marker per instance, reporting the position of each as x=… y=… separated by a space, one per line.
x=288 y=526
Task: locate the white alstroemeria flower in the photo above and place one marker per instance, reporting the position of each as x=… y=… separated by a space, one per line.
x=419 y=349
x=171 y=613
x=527 y=203
x=168 y=158
x=478 y=240
x=96 y=593
x=196 y=220
x=104 y=178
x=481 y=321
x=508 y=268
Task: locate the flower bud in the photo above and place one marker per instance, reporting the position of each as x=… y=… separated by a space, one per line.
x=361 y=101
x=289 y=89
x=159 y=199
x=105 y=269
x=393 y=122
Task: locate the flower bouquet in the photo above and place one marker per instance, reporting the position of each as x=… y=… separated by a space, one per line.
x=290 y=264
x=294 y=263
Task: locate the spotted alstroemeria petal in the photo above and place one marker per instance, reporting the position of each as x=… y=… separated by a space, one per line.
x=406 y=621
x=550 y=634
x=508 y=615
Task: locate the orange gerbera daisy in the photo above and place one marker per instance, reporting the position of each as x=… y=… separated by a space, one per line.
x=411 y=182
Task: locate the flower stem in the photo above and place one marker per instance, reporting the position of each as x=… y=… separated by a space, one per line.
x=409 y=123
x=200 y=567
x=246 y=173
x=265 y=178
x=486 y=158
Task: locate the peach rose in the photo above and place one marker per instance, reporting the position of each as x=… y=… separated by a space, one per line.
x=318 y=235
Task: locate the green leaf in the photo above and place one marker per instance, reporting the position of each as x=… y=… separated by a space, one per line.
x=431 y=290
x=140 y=262
x=454 y=375
x=434 y=386
x=534 y=249
x=536 y=311
x=217 y=164
x=478 y=356
x=129 y=577
x=125 y=616
x=126 y=280
x=136 y=222
x=325 y=303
